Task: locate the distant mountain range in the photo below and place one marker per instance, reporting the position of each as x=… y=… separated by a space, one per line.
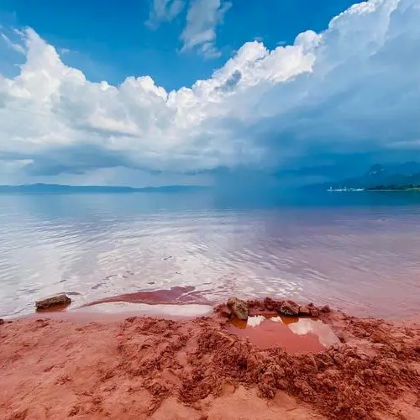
x=381 y=176
x=377 y=177
x=60 y=189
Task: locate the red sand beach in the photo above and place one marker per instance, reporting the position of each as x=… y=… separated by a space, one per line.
x=85 y=367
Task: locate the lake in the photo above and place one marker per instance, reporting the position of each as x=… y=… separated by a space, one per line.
x=356 y=251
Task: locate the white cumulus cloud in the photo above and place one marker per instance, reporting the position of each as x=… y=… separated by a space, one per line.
x=353 y=89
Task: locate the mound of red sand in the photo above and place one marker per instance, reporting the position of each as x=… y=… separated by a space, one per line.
x=197 y=369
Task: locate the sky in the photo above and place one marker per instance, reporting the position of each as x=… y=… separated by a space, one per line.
x=158 y=92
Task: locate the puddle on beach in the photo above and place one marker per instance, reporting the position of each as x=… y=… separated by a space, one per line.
x=295 y=335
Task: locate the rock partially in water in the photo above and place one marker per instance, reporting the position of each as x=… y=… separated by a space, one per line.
x=238 y=308
x=269 y=304
x=315 y=312
x=289 y=308
x=304 y=311
x=53 y=302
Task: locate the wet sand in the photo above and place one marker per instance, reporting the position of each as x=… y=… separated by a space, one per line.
x=96 y=366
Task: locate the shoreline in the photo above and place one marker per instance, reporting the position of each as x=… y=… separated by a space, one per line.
x=96 y=365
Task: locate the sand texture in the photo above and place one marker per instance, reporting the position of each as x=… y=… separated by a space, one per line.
x=142 y=367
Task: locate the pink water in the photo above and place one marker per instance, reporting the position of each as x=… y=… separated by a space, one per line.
x=362 y=257
x=295 y=335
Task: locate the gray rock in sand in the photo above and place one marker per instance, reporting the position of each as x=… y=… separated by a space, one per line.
x=58 y=300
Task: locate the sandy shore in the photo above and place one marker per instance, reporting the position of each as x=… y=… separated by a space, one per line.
x=67 y=366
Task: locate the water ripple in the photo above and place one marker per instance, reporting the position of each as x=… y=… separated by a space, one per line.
x=364 y=258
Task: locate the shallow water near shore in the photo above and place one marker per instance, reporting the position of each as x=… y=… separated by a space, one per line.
x=359 y=253
x=170 y=311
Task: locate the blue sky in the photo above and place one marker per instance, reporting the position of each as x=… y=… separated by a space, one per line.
x=111 y=40
x=162 y=91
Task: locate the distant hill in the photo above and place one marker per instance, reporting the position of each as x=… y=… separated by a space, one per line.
x=62 y=189
x=380 y=175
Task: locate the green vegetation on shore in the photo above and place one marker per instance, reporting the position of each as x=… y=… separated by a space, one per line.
x=409 y=187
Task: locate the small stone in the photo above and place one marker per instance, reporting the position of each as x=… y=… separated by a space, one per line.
x=289 y=308
x=238 y=308
x=269 y=304
x=325 y=309
x=315 y=312
x=255 y=303
x=58 y=300
x=304 y=311
x=1 y=321
x=272 y=305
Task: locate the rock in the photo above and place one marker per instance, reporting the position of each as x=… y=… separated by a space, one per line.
x=272 y=305
x=289 y=308
x=58 y=300
x=254 y=303
x=304 y=311
x=269 y=304
x=325 y=309
x=238 y=308
x=315 y=312
x=1 y=321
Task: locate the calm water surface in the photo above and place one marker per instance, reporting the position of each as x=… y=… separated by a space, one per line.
x=358 y=252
